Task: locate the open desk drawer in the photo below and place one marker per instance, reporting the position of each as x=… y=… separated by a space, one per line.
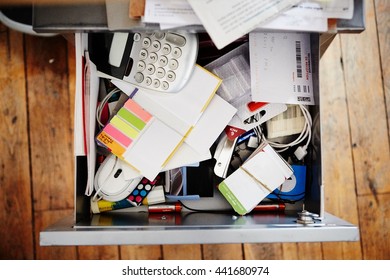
x=119 y=228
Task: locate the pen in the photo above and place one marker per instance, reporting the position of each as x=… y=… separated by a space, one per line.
x=176 y=208
x=270 y=207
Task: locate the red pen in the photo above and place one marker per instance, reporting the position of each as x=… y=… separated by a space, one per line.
x=270 y=207
x=176 y=208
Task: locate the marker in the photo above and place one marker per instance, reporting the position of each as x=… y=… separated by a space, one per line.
x=102 y=205
x=269 y=207
x=176 y=208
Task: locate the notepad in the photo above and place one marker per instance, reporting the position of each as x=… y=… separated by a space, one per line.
x=153 y=131
x=181 y=110
x=123 y=133
x=196 y=112
x=260 y=175
x=281 y=68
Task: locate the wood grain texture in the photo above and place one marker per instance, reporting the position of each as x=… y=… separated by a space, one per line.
x=71 y=64
x=366 y=105
x=43 y=219
x=223 y=252
x=338 y=165
x=182 y=252
x=98 y=252
x=15 y=188
x=51 y=141
x=382 y=12
x=137 y=252
x=290 y=251
x=136 y=8
x=263 y=251
x=375 y=226
x=309 y=251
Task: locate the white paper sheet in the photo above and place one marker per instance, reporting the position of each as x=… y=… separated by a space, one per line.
x=337 y=8
x=202 y=127
x=307 y=16
x=91 y=92
x=79 y=128
x=262 y=173
x=226 y=21
x=171 y=13
x=179 y=110
x=281 y=68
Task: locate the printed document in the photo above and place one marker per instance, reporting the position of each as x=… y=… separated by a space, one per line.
x=307 y=16
x=226 y=21
x=337 y=8
x=169 y=14
x=281 y=68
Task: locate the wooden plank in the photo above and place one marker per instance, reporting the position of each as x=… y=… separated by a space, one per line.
x=223 y=252
x=382 y=11
x=137 y=252
x=338 y=168
x=375 y=226
x=263 y=251
x=15 y=187
x=136 y=9
x=42 y=220
x=290 y=251
x=98 y=252
x=375 y=209
x=71 y=54
x=83 y=252
x=309 y=251
x=302 y=251
x=50 y=127
x=182 y=252
x=367 y=112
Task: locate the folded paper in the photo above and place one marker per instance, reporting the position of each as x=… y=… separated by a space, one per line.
x=263 y=172
x=152 y=130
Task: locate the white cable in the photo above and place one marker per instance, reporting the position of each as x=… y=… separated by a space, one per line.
x=305 y=134
x=102 y=104
x=21 y=27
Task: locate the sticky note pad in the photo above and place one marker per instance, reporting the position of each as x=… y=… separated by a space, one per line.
x=124 y=128
x=140 y=139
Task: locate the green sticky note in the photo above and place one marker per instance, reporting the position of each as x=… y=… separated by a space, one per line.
x=131 y=118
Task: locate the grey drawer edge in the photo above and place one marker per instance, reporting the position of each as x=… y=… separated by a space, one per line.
x=81 y=17
x=332 y=229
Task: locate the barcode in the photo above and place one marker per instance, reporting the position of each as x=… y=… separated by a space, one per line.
x=304 y=98
x=303 y=88
x=293 y=111
x=298 y=58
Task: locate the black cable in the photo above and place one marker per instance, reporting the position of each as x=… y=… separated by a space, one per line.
x=202 y=210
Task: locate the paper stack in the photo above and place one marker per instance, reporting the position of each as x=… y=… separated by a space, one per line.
x=226 y=21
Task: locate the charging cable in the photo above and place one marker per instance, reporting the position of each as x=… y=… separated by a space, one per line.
x=102 y=104
x=306 y=133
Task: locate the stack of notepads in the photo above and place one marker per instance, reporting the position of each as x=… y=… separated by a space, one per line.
x=153 y=132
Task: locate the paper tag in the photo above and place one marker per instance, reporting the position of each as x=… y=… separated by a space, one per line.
x=261 y=173
x=254 y=106
x=226 y=21
x=233 y=132
x=281 y=68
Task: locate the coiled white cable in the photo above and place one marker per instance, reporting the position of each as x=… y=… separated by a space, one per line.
x=102 y=104
x=305 y=134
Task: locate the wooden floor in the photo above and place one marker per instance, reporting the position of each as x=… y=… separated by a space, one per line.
x=36 y=168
